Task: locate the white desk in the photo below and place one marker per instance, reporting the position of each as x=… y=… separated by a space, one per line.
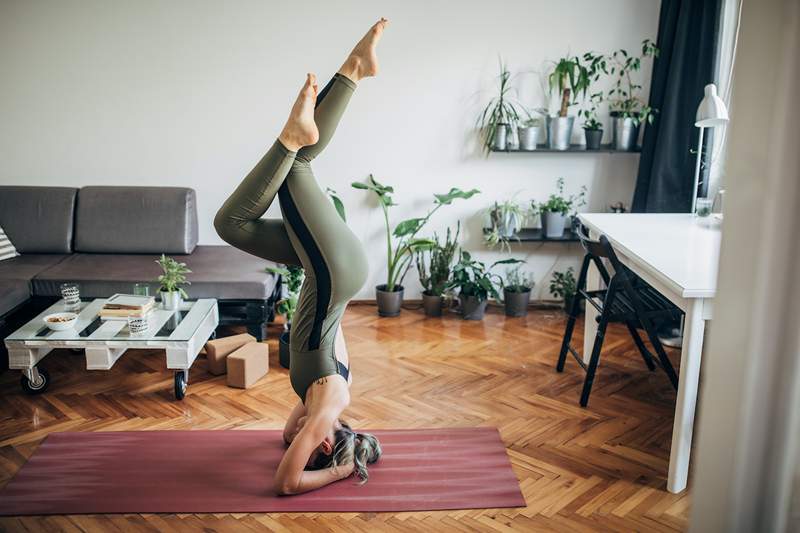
x=678 y=255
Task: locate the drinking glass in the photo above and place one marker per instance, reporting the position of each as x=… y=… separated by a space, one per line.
x=71 y=295
x=138 y=325
x=141 y=289
x=703 y=207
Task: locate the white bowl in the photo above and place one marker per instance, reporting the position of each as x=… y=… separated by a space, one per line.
x=61 y=326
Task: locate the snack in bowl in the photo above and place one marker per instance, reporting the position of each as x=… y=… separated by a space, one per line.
x=60 y=321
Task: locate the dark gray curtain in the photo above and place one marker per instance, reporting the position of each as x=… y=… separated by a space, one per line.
x=687 y=39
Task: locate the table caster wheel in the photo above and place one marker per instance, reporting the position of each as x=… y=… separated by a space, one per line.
x=180 y=386
x=36 y=387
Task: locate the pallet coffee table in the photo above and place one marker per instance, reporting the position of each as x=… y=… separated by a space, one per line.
x=180 y=333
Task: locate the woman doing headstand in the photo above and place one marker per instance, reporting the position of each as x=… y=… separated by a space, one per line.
x=322 y=449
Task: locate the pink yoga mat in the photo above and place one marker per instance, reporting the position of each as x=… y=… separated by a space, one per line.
x=231 y=472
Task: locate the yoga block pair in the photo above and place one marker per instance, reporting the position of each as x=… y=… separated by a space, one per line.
x=245 y=360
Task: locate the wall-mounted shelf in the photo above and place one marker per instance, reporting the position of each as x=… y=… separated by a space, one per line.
x=537 y=235
x=573 y=148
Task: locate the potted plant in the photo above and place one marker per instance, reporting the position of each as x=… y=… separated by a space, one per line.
x=475 y=284
x=171 y=281
x=592 y=127
x=400 y=254
x=505 y=220
x=563 y=285
x=528 y=132
x=517 y=287
x=499 y=114
x=569 y=77
x=292 y=277
x=628 y=109
x=433 y=267
x=555 y=210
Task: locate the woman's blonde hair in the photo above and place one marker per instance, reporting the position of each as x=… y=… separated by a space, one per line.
x=360 y=449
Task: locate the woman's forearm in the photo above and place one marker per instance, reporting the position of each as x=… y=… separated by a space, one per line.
x=314 y=479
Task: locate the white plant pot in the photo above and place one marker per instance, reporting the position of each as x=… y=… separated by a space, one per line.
x=170 y=300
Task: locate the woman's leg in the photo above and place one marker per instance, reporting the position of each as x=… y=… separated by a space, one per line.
x=239 y=221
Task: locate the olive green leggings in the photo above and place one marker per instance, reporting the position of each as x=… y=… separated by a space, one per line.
x=310 y=234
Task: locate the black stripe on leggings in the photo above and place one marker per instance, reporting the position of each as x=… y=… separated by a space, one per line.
x=321 y=272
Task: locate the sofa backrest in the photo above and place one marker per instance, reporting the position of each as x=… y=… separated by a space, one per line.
x=136 y=220
x=38 y=219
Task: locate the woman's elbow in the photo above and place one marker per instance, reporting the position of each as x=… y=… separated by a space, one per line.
x=283 y=488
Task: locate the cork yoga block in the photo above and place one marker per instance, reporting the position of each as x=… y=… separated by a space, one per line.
x=248 y=364
x=219 y=349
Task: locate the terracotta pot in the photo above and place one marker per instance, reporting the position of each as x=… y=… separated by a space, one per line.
x=432 y=304
x=389 y=302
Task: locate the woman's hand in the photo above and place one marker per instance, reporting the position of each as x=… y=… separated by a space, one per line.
x=343 y=471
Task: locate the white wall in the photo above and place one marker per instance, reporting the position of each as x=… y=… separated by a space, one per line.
x=191 y=93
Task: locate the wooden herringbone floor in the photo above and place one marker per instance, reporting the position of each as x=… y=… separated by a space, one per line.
x=601 y=468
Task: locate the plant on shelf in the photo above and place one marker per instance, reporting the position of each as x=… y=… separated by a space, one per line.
x=568 y=78
x=171 y=281
x=475 y=284
x=434 y=270
x=592 y=127
x=500 y=114
x=554 y=211
x=528 y=131
x=505 y=220
x=563 y=285
x=517 y=286
x=403 y=242
x=628 y=108
x=292 y=277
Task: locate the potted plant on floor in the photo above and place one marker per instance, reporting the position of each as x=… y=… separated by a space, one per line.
x=171 y=282
x=563 y=286
x=628 y=109
x=517 y=287
x=433 y=267
x=292 y=277
x=569 y=77
x=400 y=253
x=505 y=220
x=475 y=284
x=499 y=115
x=555 y=210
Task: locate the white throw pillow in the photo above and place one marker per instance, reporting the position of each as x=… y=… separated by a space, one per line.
x=7 y=250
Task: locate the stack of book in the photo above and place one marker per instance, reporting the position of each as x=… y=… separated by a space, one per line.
x=121 y=306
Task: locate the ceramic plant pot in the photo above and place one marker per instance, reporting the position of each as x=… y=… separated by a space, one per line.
x=593 y=139
x=170 y=300
x=553 y=225
x=500 y=141
x=283 y=349
x=559 y=132
x=507 y=223
x=472 y=308
x=624 y=133
x=528 y=137
x=516 y=303
x=389 y=302
x=432 y=304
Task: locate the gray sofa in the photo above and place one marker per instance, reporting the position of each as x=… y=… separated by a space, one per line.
x=108 y=238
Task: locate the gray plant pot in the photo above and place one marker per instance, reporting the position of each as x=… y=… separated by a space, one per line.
x=283 y=349
x=432 y=304
x=170 y=300
x=516 y=303
x=559 y=132
x=593 y=139
x=553 y=225
x=472 y=308
x=500 y=141
x=389 y=302
x=625 y=133
x=507 y=223
x=528 y=137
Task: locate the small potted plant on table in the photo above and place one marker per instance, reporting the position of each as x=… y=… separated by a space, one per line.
x=171 y=282
x=292 y=277
x=517 y=287
x=555 y=210
x=402 y=242
x=433 y=267
x=563 y=286
x=475 y=284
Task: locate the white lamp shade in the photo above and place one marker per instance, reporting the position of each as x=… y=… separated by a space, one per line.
x=712 y=111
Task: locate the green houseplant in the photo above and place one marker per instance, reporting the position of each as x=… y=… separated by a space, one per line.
x=528 y=133
x=505 y=220
x=500 y=113
x=434 y=270
x=628 y=108
x=568 y=77
x=403 y=241
x=475 y=284
x=292 y=277
x=592 y=127
x=563 y=285
x=517 y=286
x=554 y=211
x=171 y=282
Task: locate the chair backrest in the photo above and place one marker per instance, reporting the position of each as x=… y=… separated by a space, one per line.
x=599 y=249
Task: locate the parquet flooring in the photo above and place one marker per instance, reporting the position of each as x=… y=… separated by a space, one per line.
x=601 y=468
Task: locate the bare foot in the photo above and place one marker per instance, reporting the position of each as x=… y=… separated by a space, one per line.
x=300 y=129
x=363 y=60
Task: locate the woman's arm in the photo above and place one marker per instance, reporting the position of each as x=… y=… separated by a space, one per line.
x=292 y=427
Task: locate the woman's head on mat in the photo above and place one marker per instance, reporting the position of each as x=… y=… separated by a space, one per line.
x=345 y=446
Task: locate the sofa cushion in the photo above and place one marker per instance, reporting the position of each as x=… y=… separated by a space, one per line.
x=221 y=272
x=25 y=267
x=13 y=292
x=38 y=219
x=136 y=220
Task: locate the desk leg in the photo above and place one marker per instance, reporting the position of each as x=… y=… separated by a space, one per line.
x=691 y=352
x=590 y=315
